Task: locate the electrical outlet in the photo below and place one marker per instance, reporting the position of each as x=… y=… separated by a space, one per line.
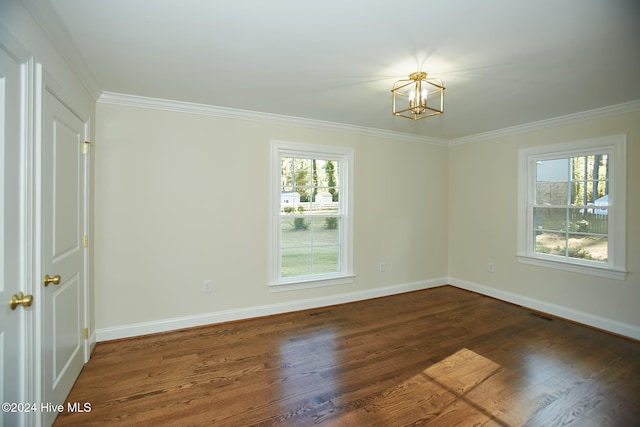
x=207 y=286
x=383 y=267
x=491 y=267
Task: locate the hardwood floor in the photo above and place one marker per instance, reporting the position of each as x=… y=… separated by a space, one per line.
x=439 y=357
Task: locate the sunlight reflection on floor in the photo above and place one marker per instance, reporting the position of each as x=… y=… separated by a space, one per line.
x=447 y=384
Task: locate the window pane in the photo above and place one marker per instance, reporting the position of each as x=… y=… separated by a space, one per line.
x=593 y=248
x=305 y=197
x=286 y=172
x=326 y=231
x=550 y=218
x=326 y=239
x=601 y=192
x=585 y=221
x=587 y=192
x=296 y=262
x=552 y=193
x=600 y=212
x=552 y=182
x=331 y=174
x=302 y=174
x=590 y=175
x=577 y=193
x=326 y=259
x=323 y=202
x=556 y=170
x=295 y=232
x=551 y=243
x=289 y=201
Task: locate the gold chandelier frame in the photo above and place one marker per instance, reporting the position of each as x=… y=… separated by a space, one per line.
x=418 y=97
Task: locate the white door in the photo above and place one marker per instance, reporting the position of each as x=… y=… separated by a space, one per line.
x=12 y=282
x=63 y=213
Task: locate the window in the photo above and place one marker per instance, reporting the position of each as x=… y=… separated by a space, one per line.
x=312 y=211
x=572 y=206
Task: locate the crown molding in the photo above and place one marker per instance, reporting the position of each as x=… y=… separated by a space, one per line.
x=612 y=110
x=47 y=18
x=234 y=113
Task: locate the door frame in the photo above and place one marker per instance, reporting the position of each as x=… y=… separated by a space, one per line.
x=28 y=344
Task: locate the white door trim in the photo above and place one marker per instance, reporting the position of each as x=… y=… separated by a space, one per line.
x=90 y=340
x=35 y=241
x=26 y=347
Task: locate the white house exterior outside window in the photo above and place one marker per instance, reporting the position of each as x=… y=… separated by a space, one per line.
x=572 y=206
x=312 y=206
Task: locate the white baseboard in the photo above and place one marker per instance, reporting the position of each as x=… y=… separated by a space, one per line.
x=90 y=346
x=603 y=323
x=132 y=330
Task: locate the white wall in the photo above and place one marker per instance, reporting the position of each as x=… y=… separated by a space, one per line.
x=181 y=198
x=483 y=180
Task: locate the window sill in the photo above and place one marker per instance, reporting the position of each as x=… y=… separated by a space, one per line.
x=312 y=282
x=607 y=272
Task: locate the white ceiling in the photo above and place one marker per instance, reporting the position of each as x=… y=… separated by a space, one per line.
x=504 y=62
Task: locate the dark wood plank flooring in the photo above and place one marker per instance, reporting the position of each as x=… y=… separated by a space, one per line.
x=439 y=357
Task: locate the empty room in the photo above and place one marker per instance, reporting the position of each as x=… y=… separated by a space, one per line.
x=337 y=213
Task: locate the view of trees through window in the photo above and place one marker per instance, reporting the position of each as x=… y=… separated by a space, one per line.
x=310 y=216
x=570 y=212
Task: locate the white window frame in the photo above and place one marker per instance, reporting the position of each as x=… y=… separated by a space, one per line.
x=344 y=155
x=615 y=147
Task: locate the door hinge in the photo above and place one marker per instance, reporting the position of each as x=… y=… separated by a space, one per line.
x=85 y=241
x=85 y=147
x=85 y=333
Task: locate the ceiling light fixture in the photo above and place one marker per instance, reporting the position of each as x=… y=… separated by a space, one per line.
x=418 y=97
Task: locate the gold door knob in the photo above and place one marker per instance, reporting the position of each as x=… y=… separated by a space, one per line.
x=21 y=299
x=48 y=280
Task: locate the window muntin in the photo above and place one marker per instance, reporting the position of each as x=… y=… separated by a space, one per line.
x=572 y=206
x=312 y=229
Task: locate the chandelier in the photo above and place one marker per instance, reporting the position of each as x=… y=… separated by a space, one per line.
x=417 y=97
